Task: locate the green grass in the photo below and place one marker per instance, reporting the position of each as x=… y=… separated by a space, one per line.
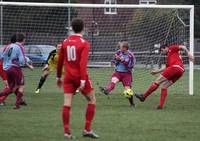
x=114 y=121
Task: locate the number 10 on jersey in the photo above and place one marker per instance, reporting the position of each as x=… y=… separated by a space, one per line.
x=71 y=53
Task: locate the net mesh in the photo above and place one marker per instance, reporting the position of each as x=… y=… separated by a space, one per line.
x=145 y=30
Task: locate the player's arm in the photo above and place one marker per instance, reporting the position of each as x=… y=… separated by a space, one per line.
x=156 y=71
x=116 y=59
x=189 y=54
x=29 y=63
x=50 y=54
x=83 y=64
x=47 y=61
x=21 y=55
x=126 y=61
x=60 y=66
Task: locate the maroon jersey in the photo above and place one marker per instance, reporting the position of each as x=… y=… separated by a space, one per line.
x=173 y=57
x=74 y=55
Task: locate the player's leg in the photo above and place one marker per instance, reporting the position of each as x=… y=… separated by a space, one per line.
x=131 y=100
x=88 y=92
x=19 y=94
x=69 y=91
x=66 y=114
x=163 y=94
x=127 y=83
x=42 y=80
x=11 y=83
x=114 y=80
x=175 y=74
x=4 y=77
x=152 y=88
x=89 y=115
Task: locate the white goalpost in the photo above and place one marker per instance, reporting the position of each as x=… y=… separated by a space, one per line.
x=143 y=26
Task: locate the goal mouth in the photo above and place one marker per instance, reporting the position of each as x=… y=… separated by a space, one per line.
x=145 y=27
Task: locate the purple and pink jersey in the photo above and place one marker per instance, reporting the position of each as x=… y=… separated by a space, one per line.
x=128 y=62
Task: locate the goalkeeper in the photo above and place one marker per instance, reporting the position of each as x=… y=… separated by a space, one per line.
x=124 y=62
x=51 y=65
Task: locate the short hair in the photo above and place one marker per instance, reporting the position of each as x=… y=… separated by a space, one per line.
x=125 y=44
x=20 y=37
x=13 y=38
x=77 y=25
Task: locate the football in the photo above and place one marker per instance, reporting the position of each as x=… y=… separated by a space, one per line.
x=128 y=93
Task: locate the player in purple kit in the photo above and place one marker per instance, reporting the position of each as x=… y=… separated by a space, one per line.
x=124 y=62
x=13 y=57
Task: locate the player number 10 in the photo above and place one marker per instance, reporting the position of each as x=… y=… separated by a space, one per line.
x=71 y=53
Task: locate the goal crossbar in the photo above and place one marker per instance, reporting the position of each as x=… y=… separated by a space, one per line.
x=94 y=5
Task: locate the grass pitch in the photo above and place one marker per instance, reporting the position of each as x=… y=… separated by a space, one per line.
x=114 y=121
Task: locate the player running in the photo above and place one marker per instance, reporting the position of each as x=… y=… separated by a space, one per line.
x=169 y=75
x=74 y=56
x=124 y=62
x=13 y=57
x=50 y=66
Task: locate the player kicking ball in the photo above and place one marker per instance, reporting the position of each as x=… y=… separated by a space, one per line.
x=169 y=75
x=124 y=62
x=74 y=56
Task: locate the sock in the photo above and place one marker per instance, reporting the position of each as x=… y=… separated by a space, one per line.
x=163 y=96
x=66 y=118
x=6 y=92
x=2 y=98
x=110 y=87
x=131 y=101
x=151 y=89
x=90 y=112
x=42 y=80
x=19 y=96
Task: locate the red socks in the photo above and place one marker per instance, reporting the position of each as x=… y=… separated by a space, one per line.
x=151 y=89
x=163 y=97
x=19 y=96
x=110 y=87
x=6 y=92
x=66 y=118
x=2 y=98
x=90 y=112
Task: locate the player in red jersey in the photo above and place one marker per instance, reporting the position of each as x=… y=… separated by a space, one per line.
x=5 y=82
x=3 y=73
x=169 y=75
x=74 y=56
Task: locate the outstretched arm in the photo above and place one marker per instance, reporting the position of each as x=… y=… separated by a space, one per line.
x=189 y=54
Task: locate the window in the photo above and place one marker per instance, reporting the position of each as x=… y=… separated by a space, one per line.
x=110 y=10
x=148 y=1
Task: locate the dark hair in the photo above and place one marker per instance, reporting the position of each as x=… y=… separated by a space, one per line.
x=77 y=25
x=13 y=38
x=20 y=37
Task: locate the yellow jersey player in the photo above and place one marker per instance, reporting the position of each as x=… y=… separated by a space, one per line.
x=50 y=66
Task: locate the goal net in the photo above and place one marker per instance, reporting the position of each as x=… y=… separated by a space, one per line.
x=145 y=28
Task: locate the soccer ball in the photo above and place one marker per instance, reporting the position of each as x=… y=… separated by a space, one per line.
x=128 y=93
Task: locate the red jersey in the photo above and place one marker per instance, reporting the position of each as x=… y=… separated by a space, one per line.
x=74 y=55
x=2 y=72
x=173 y=57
